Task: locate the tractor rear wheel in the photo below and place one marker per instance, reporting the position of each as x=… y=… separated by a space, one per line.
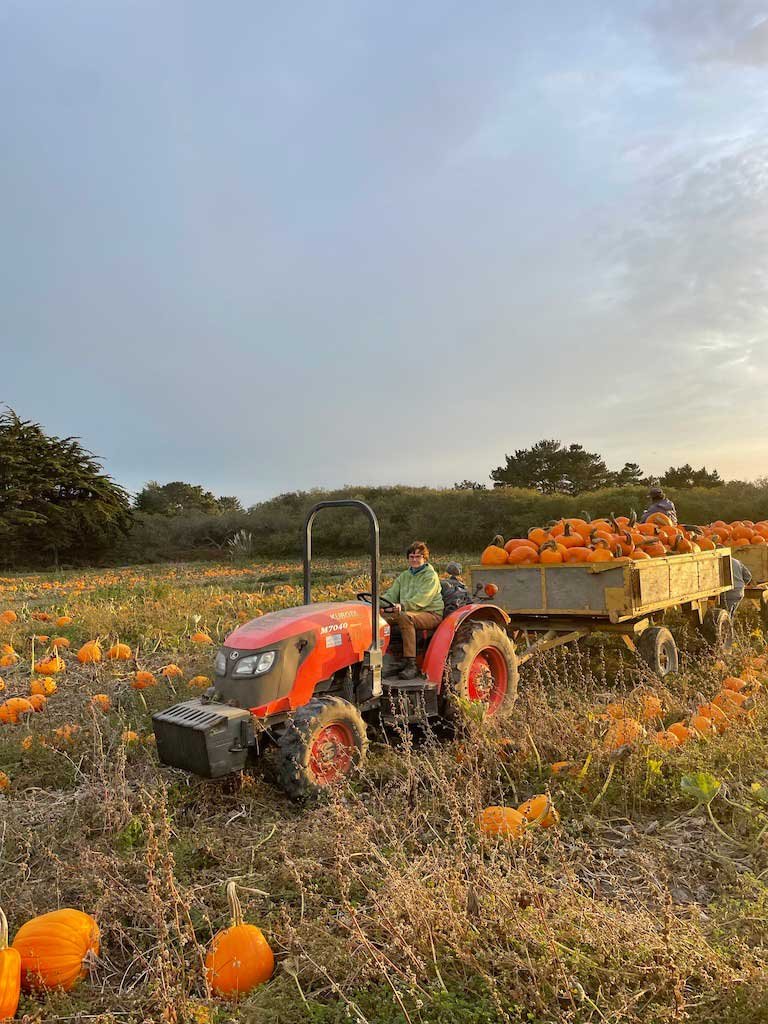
x=324 y=743
x=482 y=666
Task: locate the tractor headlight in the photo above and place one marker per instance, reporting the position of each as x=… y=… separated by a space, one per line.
x=220 y=664
x=255 y=664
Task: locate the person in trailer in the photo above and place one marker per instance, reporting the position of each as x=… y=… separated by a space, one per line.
x=418 y=604
x=658 y=502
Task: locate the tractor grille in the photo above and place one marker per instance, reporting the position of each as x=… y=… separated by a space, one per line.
x=209 y=740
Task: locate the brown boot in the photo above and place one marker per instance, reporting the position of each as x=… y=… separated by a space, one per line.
x=410 y=671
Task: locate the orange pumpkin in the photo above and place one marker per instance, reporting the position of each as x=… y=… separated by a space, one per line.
x=652 y=708
x=666 y=740
x=682 y=731
x=89 y=653
x=734 y=683
x=54 y=947
x=550 y=553
x=14 y=709
x=523 y=555
x=239 y=957
x=703 y=726
x=50 y=666
x=119 y=652
x=494 y=554
x=171 y=671
x=518 y=542
x=10 y=973
x=101 y=701
x=623 y=732
x=38 y=702
x=539 y=810
x=141 y=680
x=715 y=714
x=502 y=821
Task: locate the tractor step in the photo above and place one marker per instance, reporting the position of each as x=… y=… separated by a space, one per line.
x=407 y=700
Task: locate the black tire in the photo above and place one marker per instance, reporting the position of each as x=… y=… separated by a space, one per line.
x=717 y=629
x=657 y=647
x=324 y=731
x=488 y=642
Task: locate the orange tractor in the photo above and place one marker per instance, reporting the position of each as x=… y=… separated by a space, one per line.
x=311 y=679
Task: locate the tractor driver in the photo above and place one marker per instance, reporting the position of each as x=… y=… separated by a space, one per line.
x=418 y=604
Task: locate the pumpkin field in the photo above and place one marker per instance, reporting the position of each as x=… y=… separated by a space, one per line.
x=633 y=889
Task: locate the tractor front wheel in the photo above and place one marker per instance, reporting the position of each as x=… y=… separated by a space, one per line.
x=324 y=743
x=482 y=666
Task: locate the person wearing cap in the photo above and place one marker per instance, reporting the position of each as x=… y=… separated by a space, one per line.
x=658 y=502
x=418 y=604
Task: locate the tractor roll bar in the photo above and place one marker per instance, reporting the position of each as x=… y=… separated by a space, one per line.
x=374 y=552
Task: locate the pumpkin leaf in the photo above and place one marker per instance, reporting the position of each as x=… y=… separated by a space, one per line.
x=702 y=786
x=759 y=792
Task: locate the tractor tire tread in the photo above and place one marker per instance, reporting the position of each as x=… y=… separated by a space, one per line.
x=292 y=769
x=470 y=639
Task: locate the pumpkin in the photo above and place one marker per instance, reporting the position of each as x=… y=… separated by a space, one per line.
x=602 y=553
x=666 y=740
x=38 y=701
x=203 y=638
x=652 y=708
x=141 y=680
x=62 y=621
x=715 y=714
x=539 y=810
x=101 y=701
x=539 y=536
x=60 y=641
x=119 y=652
x=5 y=782
x=10 y=973
x=129 y=736
x=659 y=519
x=502 y=821
x=494 y=554
x=703 y=726
x=50 y=666
x=730 y=700
x=563 y=768
x=623 y=732
x=14 y=709
x=518 y=542
x=682 y=731
x=8 y=660
x=550 y=553
x=199 y=682
x=54 y=948
x=45 y=686
x=523 y=556
x=734 y=683
x=8 y=617
x=89 y=653
x=239 y=957
x=577 y=554
x=40 y=638
x=616 y=711
x=171 y=671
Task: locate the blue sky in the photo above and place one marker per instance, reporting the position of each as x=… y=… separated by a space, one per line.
x=272 y=247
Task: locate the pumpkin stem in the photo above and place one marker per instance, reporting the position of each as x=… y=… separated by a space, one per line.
x=498 y=541
x=585 y=516
x=235 y=908
x=3 y=930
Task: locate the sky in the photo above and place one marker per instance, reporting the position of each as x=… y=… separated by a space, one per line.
x=270 y=247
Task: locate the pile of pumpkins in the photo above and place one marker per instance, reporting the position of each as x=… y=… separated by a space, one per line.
x=54 y=951
x=513 y=823
x=736 y=698
x=604 y=540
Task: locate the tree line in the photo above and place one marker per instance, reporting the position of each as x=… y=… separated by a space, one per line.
x=57 y=506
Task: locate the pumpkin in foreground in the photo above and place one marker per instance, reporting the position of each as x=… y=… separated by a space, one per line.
x=10 y=973
x=539 y=810
x=239 y=957
x=502 y=821
x=54 y=947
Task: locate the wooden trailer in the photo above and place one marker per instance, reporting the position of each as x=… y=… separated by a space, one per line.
x=550 y=605
x=755 y=557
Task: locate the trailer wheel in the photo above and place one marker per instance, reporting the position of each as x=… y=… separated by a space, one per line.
x=482 y=666
x=657 y=647
x=324 y=743
x=717 y=629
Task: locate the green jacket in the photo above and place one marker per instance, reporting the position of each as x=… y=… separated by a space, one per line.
x=417 y=591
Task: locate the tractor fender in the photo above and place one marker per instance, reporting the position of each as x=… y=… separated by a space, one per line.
x=433 y=664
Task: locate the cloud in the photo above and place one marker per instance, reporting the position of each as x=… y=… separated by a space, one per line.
x=712 y=31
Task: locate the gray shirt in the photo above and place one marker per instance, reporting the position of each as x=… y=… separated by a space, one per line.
x=662 y=505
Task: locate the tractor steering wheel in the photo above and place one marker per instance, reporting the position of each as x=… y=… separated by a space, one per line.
x=367 y=598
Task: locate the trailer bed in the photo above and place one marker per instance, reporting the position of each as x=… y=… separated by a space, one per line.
x=613 y=592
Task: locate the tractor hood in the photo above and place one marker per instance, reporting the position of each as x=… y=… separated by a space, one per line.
x=308 y=644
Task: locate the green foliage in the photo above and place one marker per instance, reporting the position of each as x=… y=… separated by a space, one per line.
x=451 y=519
x=687 y=476
x=549 y=467
x=55 y=503
x=177 y=498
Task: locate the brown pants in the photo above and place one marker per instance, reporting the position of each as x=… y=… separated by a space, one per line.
x=409 y=622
